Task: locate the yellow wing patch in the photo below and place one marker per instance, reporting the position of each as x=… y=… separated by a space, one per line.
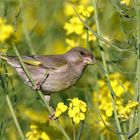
x=32 y=62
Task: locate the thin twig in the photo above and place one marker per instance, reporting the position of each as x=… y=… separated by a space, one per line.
x=14 y=116
x=137 y=84
x=11 y=109
x=26 y=33
x=106 y=73
x=100 y=37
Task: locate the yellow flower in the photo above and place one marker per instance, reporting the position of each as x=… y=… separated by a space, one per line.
x=132 y=104
x=68 y=9
x=36 y=134
x=125 y=112
x=109 y=112
x=71 y=113
x=61 y=108
x=71 y=43
x=101 y=83
x=91 y=37
x=121 y=87
x=78 y=117
x=44 y=136
x=74 y=26
x=6 y=30
x=77 y=110
x=85 y=11
x=75 y=102
x=90 y=9
x=126 y=2
x=82 y=10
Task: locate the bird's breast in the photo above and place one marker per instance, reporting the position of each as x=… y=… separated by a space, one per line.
x=60 y=79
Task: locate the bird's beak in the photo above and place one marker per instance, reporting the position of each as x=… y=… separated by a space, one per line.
x=90 y=60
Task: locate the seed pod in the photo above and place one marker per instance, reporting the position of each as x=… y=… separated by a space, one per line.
x=132 y=133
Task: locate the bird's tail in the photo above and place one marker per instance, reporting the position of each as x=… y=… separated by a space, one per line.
x=11 y=60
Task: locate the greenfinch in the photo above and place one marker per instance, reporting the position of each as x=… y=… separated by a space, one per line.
x=53 y=73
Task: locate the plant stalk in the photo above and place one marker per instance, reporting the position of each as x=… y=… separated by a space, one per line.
x=106 y=71
x=14 y=116
x=40 y=93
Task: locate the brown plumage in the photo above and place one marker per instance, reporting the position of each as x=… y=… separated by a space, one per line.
x=54 y=72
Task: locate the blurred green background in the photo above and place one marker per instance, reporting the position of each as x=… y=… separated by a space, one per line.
x=40 y=27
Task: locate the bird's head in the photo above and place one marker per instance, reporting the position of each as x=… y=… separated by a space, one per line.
x=80 y=55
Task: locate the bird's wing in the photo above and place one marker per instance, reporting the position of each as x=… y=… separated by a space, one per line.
x=38 y=66
x=36 y=71
x=48 y=62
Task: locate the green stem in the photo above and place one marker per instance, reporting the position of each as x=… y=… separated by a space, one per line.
x=100 y=37
x=137 y=87
x=87 y=39
x=25 y=31
x=106 y=71
x=73 y=126
x=137 y=84
x=5 y=91
x=102 y=137
x=80 y=130
x=14 y=116
x=40 y=93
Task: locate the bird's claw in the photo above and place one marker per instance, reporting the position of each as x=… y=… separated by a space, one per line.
x=52 y=116
x=37 y=86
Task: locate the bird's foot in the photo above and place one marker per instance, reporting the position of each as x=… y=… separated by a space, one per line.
x=52 y=116
x=37 y=86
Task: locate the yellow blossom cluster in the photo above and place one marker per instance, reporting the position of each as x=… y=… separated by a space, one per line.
x=76 y=110
x=6 y=30
x=123 y=90
x=125 y=111
x=74 y=27
x=36 y=134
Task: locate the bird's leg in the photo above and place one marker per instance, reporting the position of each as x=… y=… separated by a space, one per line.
x=48 y=98
x=52 y=115
x=38 y=85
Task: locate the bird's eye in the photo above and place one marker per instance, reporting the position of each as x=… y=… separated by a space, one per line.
x=82 y=53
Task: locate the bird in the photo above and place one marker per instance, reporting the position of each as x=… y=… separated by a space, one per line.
x=53 y=73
